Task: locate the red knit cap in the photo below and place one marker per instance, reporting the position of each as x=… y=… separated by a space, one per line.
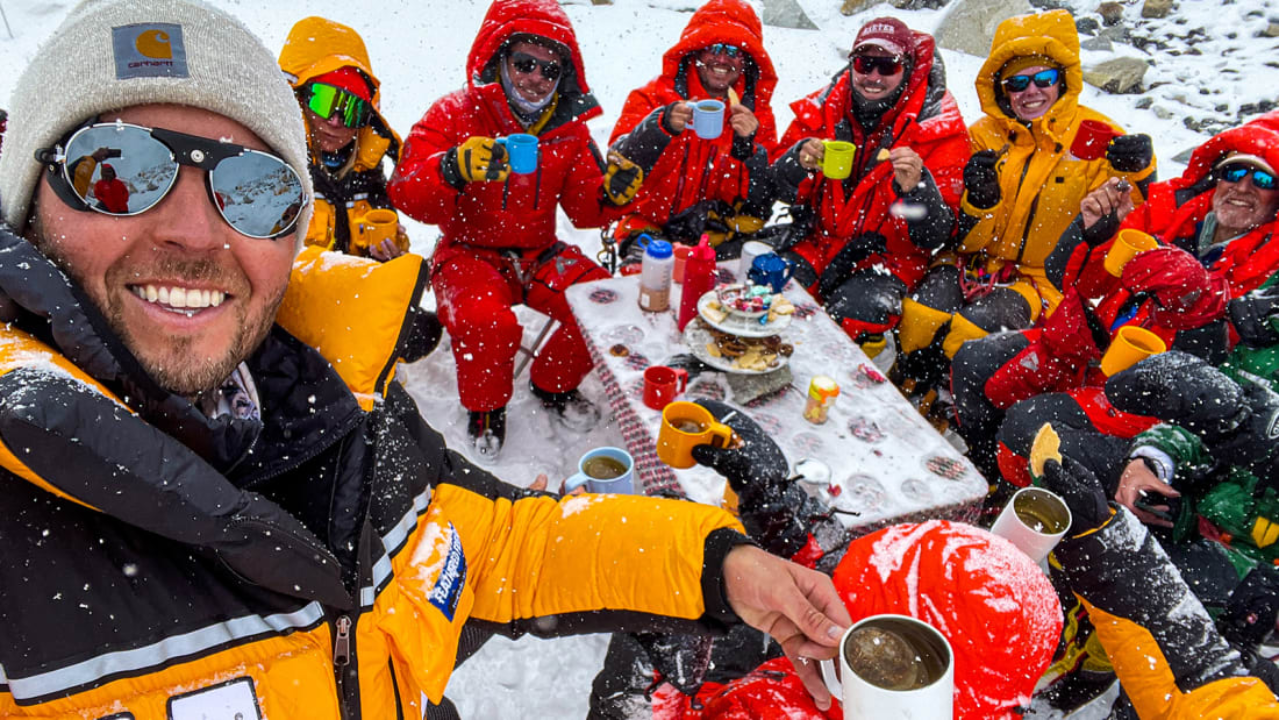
x=349 y=79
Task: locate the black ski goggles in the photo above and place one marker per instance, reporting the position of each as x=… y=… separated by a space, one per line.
x=257 y=193
x=1043 y=79
x=326 y=100
x=1235 y=172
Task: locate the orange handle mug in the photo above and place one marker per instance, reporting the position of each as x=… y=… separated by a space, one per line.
x=377 y=225
x=1131 y=345
x=685 y=425
x=1126 y=247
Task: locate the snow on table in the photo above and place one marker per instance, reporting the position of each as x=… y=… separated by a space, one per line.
x=887 y=463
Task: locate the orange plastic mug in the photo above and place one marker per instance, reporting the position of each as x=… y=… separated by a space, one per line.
x=377 y=225
x=1127 y=245
x=1131 y=345
x=686 y=425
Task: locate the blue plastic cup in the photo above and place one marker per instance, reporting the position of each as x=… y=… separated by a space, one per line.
x=604 y=470
x=708 y=119
x=522 y=152
x=772 y=270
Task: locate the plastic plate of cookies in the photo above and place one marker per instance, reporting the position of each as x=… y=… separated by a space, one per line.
x=734 y=354
x=742 y=325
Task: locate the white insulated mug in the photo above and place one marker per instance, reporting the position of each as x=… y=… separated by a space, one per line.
x=905 y=670
x=1034 y=520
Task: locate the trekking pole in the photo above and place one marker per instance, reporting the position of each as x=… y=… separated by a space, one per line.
x=6 y=22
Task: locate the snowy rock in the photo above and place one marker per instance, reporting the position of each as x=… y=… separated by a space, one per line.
x=969 y=25
x=786 y=14
x=1272 y=30
x=852 y=7
x=1087 y=26
x=1111 y=12
x=1156 y=8
x=1097 y=43
x=1162 y=112
x=1118 y=75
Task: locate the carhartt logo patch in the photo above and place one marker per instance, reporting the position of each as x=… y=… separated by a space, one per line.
x=149 y=50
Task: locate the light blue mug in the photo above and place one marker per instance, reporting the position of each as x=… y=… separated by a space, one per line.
x=604 y=470
x=522 y=152
x=708 y=119
x=772 y=270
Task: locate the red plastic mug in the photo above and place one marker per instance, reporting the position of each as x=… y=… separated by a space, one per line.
x=1091 y=139
x=662 y=384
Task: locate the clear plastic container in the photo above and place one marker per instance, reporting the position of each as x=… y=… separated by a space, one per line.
x=655 y=274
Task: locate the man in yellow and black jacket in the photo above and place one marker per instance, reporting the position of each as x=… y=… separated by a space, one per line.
x=205 y=516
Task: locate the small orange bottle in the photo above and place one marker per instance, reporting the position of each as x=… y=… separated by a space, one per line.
x=822 y=393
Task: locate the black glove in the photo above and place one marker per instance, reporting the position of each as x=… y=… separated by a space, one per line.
x=1129 y=153
x=424 y=334
x=841 y=266
x=1254 y=317
x=1080 y=490
x=774 y=510
x=981 y=179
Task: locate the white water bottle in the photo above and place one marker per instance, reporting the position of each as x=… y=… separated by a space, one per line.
x=655 y=274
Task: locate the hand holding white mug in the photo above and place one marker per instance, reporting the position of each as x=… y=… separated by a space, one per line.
x=799 y=607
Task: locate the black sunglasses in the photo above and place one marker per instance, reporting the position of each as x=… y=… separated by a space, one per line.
x=256 y=193
x=1235 y=172
x=525 y=63
x=866 y=64
x=724 y=49
x=1042 y=79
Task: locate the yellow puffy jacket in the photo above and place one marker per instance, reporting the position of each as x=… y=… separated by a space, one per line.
x=1041 y=182
x=319 y=565
x=316 y=46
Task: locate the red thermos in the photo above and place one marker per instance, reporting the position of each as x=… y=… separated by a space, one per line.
x=699 y=278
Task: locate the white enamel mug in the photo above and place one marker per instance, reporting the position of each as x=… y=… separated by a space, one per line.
x=893 y=651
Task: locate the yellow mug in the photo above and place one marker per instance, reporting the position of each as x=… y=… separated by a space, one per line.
x=837 y=158
x=1131 y=345
x=686 y=425
x=1127 y=245
x=377 y=225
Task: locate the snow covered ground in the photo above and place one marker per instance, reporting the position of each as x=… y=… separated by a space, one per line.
x=418 y=50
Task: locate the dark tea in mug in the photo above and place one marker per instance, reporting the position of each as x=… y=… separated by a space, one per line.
x=1041 y=514
x=693 y=427
x=895 y=655
x=603 y=467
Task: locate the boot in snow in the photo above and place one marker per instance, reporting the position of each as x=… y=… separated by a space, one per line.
x=487 y=430
x=570 y=408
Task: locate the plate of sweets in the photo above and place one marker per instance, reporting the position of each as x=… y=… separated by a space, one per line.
x=746 y=310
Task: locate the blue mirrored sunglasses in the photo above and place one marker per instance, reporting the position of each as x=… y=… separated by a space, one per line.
x=1042 y=79
x=724 y=49
x=1234 y=173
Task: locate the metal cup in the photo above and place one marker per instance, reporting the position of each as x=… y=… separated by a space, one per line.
x=1034 y=520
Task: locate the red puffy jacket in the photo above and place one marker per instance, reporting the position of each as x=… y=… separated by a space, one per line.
x=1175 y=208
x=521 y=212
x=690 y=169
x=925 y=119
x=996 y=608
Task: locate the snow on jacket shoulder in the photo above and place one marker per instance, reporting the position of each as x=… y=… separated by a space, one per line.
x=521 y=211
x=1170 y=659
x=1041 y=182
x=158 y=561
x=316 y=46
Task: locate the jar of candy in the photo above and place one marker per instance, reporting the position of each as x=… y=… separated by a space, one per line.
x=822 y=393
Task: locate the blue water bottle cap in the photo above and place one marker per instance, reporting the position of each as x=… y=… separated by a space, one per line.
x=658 y=249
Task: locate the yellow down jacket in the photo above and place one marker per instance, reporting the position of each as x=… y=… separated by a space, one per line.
x=320 y=564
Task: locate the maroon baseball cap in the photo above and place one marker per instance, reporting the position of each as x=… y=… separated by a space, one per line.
x=886 y=33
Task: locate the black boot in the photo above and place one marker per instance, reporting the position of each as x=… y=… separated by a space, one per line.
x=571 y=409
x=487 y=430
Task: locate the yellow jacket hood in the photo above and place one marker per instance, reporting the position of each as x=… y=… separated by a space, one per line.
x=1053 y=35
x=316 y=46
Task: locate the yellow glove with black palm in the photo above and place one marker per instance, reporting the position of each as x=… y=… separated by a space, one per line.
x=477 y=159
x=622 y=179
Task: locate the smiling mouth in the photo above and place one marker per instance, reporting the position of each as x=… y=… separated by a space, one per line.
x=183 y=301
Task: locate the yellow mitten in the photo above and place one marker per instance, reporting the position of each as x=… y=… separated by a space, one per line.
x=477 y=159
x=622 y=179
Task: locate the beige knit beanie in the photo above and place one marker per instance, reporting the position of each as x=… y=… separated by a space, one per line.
x=112 y=54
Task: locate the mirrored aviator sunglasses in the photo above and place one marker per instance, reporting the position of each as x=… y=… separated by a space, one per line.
x=325 y=100
x=1235 y=172
x=1042 y=79
x=724 y=49
x=122 y=170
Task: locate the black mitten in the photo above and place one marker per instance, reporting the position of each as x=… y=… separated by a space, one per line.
x=1080 y=490
x=981 y=179
x=841 y=266
x=1130 y=153
x=771 y=507
x=1178 y=388
x=1254 y=316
